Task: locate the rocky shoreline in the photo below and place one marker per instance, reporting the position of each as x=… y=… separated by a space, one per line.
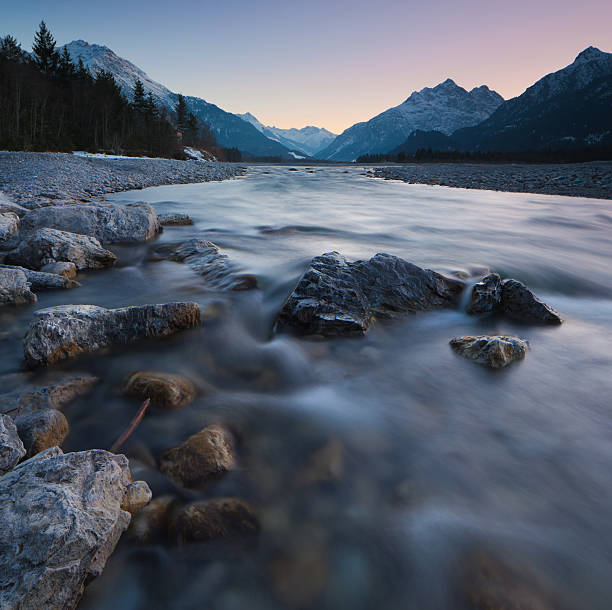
x=571 y=180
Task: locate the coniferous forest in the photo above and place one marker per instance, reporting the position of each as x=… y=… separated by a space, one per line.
x=50 y=103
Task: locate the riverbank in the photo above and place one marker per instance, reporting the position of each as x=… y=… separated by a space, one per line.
x=38 y=179
x=572 y=180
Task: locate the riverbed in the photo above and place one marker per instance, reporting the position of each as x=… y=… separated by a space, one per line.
x=428 y=459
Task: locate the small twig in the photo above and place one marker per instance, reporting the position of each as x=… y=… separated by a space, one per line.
x=133 y=424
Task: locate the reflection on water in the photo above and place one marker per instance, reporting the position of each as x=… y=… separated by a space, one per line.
x=428 y=459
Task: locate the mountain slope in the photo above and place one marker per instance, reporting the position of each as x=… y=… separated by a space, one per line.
x=229 y=129
x=308 y=140
x=444 y=108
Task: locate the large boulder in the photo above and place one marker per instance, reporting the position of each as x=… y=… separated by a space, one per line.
x=517 y=301
x=338 y=297
x=107 y=222
x=201 y=458
x=11 y=446
x=39 y=280
x=14 y=288
x=61 y=520
x=493 y=351
x=62 y=332
x=9 y=230
x=49 y=245
x=486 y=295
x=206 y=260
x=165 y=390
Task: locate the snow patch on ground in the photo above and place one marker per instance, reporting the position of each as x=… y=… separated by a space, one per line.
x=197 y=155
x=295 y=155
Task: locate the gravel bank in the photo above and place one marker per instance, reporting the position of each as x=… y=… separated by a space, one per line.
x=35 y=179
x=573 y=180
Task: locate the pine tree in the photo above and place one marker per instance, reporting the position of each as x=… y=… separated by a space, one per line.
x=82 y=72
x=11 y=49
x=150 y=107
x=181 y=113
x=44 y=54
x=65 y=65
x=139 y=96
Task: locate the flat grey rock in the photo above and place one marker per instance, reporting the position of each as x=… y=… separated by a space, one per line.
x=11 y=446
x=336 y=297
x=61 y=520
x=107 y=222
x=486 y=295
x=517 y=301
x=9 y=230
x=40 y=280
x=46 y=246
x=171 y=219
x=495 y=351
x=66 y=331
x=14 y=288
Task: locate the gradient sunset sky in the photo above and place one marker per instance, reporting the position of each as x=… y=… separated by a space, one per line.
x=325 y=63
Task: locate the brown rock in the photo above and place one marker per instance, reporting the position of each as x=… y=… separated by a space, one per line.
x=166 y=391
x=202 y=457
x=42 y=429
x=137 y=496
x=152 y=520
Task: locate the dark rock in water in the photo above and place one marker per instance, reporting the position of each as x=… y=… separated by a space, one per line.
x=174 y=219
x=107 y=222
x=62 y=332
x=49 y=245
x=61 y=520
x=324 y=466
x=517 y=301
x=42 y=429
x=166 y=391
x=201 y=458
x=67 y=270
x=53 y=396
x=486 y=295
x=9 y=230
x=137 y=496
x=152 y=520
x=494 y=351
x=39 y=280
x=14 y=288
x=206 y=260
x=337 y=297
x=212 y=519
x=11 y=446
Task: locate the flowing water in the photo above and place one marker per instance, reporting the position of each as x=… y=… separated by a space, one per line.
x=432 y=460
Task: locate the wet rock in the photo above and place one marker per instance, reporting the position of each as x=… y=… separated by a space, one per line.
x=212 y=519
x=9 y=230
x=42 y=429
x=14 y=208
x=61 y=520
x=337 y=297
x=106 y=222
x=14 y=288
x=68 y=270
x=324 y=465
x=49 y=245
x=165 y=390
x=206 y=260
x=517 y=301
x=45 y=281
x=152 y=520
x=137 y=496
x=486 y=295
x=174 y=219
x=62 y=332
x=201 y=458
x=11 y=446
x=494 y=351
x=52 y=396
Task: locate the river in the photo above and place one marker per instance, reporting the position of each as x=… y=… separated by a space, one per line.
x=435 y=460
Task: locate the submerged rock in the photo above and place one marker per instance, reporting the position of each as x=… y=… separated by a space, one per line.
x=9 y=230
x=517 y=301
x=494 y=351
x=61 y=520
x=107 y=222
x=486 y=295
x=14 y=288
x=206 y=260
x=11 y=446
x=42 y=429
x=174 y=219
x=337 y=297
x=39 y=280
x=68 y=270
x=49 y=245
x=165 y=390
x=62 y=332
x=201 y=458
x=211 y=519
x=152 y=520
x=324 y=465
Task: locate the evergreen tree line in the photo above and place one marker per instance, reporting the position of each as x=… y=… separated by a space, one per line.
x=49 y=103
